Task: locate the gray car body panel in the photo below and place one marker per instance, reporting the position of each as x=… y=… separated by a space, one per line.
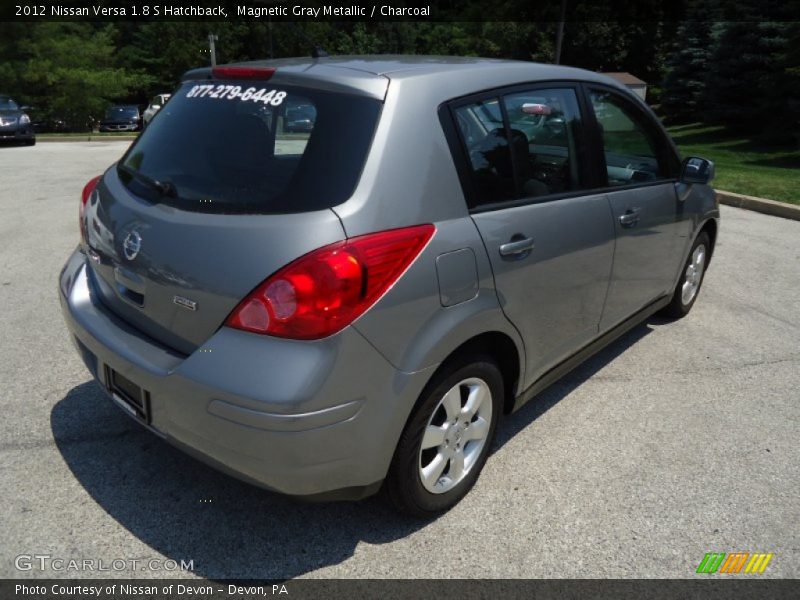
x=555 y=296
x=309 y=417
x=409 y=325
x=215 y=261
x=295 y=417
x=646 y=255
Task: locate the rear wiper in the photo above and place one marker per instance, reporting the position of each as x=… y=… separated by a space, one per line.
x=165 y=188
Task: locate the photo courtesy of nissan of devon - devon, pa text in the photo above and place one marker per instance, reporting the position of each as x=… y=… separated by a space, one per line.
x=396 y=252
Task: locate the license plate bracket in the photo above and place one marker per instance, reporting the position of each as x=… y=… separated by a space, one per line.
x=130 y=396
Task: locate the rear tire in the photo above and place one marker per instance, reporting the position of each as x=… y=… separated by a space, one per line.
x=447 y=439
x=30 y=142
x=688 y=288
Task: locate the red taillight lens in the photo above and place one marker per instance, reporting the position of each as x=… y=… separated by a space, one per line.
x=242 y=72
x=87 y=191
x=326 y=290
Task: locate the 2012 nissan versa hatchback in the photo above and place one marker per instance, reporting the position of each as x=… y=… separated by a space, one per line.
x=328 y=311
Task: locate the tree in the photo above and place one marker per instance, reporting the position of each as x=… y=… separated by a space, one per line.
x=685 y=82
x=745 y=68
x=167 y=49
x=782 y=91
x=791 y=83
x=69 y=71
x=75 y=69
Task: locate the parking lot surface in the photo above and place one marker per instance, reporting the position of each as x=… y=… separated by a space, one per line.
x=677 y=440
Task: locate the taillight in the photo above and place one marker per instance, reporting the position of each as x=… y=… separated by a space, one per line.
x=87 y=191
x=324 y=291
x=242 y=72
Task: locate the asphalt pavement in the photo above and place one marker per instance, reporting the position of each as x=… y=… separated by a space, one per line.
x=679 y=439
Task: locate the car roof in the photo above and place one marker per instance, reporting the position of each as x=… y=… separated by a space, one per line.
x=371 y=74
x=423 y=65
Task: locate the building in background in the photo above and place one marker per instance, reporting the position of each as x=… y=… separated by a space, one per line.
x=632 y=82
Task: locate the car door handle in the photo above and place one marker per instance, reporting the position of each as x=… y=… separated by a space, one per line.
x=517 y=247
x=630 y=218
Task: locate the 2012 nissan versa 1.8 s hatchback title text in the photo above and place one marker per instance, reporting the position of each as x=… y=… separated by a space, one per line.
x=322 y=312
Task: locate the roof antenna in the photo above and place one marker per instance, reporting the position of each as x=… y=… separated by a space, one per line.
x=317 y=51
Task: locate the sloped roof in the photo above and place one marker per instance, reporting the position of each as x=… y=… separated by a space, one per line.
x=625 y=78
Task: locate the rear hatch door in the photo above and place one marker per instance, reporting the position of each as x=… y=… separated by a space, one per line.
x=216 y=195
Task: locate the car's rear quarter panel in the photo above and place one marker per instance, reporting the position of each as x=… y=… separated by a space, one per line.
x=409 y=179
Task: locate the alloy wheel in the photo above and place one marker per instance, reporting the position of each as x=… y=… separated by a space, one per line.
x=456 y=435
x=693 y=275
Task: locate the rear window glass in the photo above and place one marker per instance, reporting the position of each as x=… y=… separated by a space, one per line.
x=252 y=147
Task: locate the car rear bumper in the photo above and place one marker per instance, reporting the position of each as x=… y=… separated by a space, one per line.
x=317 y=418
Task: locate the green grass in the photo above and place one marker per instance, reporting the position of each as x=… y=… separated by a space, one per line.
x=744 y=165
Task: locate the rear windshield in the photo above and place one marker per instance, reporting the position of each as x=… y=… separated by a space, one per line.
x=252 y=147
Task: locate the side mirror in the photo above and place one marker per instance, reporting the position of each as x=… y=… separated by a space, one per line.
x=697 y=170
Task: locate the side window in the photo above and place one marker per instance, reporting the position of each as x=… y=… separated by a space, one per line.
x=544 y=125
x=484 y=139
x=535 y=157
x=630 y=147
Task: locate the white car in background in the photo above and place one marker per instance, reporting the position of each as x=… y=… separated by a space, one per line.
x=155 y=105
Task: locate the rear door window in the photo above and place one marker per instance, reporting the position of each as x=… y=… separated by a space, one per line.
x=486 y=143
x=294 y=150
x=545 y=123
x=534 y=155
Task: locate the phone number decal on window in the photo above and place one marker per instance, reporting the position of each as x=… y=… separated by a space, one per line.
x=235 y=92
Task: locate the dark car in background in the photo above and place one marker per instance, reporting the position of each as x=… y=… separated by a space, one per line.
x=15 y=125
x=122 y=117
x=300 y=118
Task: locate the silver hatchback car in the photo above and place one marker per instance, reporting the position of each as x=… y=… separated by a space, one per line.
x=329 y=312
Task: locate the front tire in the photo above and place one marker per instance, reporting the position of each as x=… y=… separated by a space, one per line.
x=688 y=288
x=447 y=439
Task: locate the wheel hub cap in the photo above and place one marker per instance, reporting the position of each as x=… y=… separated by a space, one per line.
x=455 y=436
x=693 y=275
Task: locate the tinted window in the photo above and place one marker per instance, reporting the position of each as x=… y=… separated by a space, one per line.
x=489 y=114
x=535 y=157
x=223 y=154
x=486 y=143
x=631 y=148
x=125 y=112
x=7 y=103
x=544 y=125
